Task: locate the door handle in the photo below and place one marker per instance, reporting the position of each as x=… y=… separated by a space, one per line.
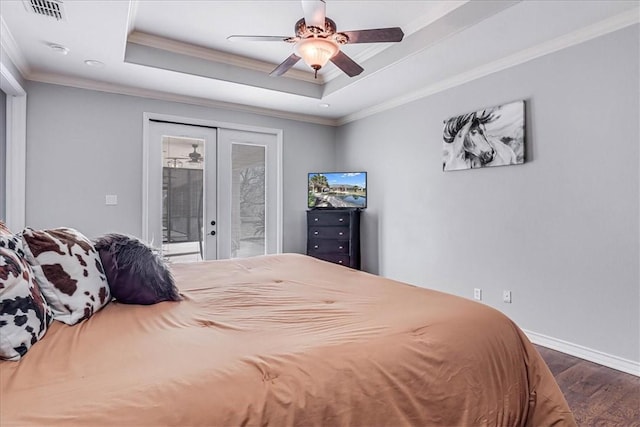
x=213 y=223
x=213 y=233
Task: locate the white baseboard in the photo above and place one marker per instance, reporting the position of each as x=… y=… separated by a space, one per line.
x=614 y=362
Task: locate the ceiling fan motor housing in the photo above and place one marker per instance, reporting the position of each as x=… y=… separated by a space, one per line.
x=194 y=155
x=329 y=30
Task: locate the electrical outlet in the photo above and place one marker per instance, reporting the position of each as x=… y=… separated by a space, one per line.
x=477 y=294
x=506 y=296
x=111 y=199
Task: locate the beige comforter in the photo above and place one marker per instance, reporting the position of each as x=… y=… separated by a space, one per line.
x=285 y=340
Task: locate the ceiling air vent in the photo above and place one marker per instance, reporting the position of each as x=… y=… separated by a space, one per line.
x=50 y=8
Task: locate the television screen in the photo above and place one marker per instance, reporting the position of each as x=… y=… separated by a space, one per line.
x=338 y=190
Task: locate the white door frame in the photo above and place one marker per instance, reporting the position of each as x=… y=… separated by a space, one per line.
x=155 y=161
x=147 y=117
x=16 y=150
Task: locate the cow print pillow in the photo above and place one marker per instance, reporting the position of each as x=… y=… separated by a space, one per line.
x=68 y=271
x=24 y=314
x=9 y=241
x=4 y=229
x=12 y=243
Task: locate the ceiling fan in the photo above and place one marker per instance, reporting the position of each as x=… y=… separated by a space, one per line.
x=317 y=41
x=194 y=156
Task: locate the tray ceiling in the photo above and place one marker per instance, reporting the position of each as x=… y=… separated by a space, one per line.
x=178 y=49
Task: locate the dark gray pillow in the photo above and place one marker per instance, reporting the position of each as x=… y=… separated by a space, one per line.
x=136 y=273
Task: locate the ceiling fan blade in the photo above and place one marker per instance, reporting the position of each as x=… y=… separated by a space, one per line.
x=378 y=35
x=258 y=38
x=314 y=13
x=284 y=67
x=346 y=64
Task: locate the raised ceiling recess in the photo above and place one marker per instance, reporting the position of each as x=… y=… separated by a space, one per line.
x=317 y=41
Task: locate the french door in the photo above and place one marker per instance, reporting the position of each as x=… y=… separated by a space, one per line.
x=248 y=187
x=212 y=193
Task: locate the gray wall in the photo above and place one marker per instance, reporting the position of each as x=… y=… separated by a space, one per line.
x=3 y=152
x=82 y=145
x=560 y=231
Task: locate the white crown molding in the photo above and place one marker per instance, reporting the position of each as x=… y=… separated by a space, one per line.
x=207 y=54
x=131 y=21
x=10 y=47
x=599 y=357
x=131 y=15
x=607 y=26
x=8 y=82
x=164 y=96
x=601 y=28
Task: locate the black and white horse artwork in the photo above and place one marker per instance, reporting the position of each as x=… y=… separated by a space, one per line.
x=489 y=137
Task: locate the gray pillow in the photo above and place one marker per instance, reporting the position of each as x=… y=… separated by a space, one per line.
x=135 y=271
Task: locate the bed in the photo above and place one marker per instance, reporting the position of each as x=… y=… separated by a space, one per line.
x=285 y=340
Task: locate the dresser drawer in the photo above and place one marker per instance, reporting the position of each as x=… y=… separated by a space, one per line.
x=337 y=259
x=328 y=218
x=324 y=246
x=328 y=232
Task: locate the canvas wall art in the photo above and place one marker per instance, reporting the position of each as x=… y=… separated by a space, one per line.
x=490 y=137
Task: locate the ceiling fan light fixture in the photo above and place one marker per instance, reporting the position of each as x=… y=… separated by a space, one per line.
x=316 y=52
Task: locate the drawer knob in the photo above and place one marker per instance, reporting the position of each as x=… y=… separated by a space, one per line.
x=315 y=219
x=341 y=219
x=315 y=232
x=315 y=247
x=339 y=247
x=340 y=262
x=340 y=233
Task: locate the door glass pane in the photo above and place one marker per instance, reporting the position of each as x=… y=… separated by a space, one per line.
x=247 y=200
x=182 y=198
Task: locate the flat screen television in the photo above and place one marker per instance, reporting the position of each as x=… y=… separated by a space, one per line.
x=337 y=190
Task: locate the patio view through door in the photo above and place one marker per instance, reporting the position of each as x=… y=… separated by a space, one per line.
x=248 y=184
x=211 y=192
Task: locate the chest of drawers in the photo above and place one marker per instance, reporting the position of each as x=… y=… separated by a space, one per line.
x=334 y=235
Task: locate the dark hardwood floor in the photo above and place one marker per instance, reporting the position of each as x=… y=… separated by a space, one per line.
x=597 y=395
